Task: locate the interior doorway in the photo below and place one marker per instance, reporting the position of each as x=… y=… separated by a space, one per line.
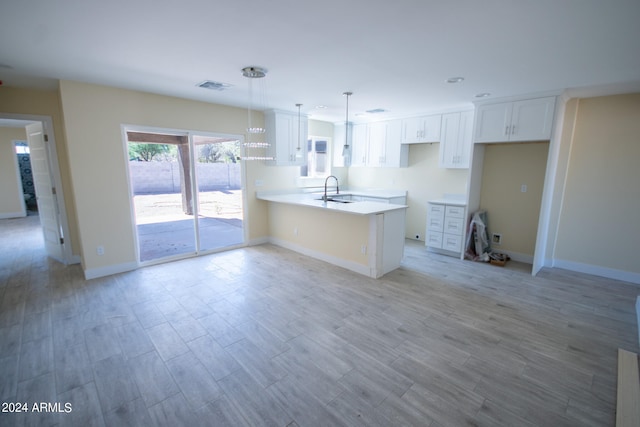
x=51 y=210
x=187 y=192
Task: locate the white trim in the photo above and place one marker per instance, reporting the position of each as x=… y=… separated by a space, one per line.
x=596 y=270
x=94 y=273
x=349 y=265
x=548 y=189
x=9 y=215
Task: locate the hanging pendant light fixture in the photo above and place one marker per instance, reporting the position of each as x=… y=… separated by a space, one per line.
x=299 y=148
x=346 y=148
x=253 y=132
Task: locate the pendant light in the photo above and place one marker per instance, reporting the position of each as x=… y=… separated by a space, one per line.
x=299 y=149
x=255 y=133
x=345 y=148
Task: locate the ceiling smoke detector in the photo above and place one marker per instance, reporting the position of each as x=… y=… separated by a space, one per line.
x=210 y=84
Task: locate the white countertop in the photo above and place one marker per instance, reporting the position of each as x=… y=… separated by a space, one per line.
x=355 y=208
x=382 y=193
x=449 y=202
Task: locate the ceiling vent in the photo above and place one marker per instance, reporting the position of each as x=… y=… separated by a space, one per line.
x=376 y=111
x=210 y=84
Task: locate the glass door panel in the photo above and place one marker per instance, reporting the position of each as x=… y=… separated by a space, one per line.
x=219 y=196
x=161 y=181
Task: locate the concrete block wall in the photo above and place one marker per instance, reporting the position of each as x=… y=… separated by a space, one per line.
x=164 y=177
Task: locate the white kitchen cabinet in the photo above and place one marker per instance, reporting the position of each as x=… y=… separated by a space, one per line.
x=397 y=154
x=526 y=120
x=445 y=227
x=455 y=140
x=421 y=129
x=360 y=145
x=385 y=149
x=287 y=138
x=377 y=144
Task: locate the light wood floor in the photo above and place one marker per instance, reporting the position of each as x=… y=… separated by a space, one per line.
x=265 y=336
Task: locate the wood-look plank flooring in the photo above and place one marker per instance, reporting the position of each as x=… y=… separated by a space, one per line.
x=263 y=336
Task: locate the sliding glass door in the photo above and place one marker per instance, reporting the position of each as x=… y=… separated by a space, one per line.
x=219 y=197
x=187 y=193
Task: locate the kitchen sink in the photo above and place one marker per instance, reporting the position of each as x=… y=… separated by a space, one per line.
x=336 y=200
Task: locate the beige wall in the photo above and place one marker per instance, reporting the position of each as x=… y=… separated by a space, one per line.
x=332 y=233
x=422 y=179
x=599 y=222
x=510 y=212
x=93 y=117
x=11 y=197
x=46 y=103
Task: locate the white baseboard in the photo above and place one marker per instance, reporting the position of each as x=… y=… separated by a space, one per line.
x=9 y=215
x=94 y=273
x=349 y=265
x=596 y=270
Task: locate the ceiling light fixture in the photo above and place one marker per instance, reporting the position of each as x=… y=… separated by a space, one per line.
x=483 y=95
x=299 y=149
x=455 y=79
x=346 y=149
x=252 y=73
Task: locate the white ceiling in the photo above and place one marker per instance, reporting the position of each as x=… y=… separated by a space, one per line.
x=394 y=55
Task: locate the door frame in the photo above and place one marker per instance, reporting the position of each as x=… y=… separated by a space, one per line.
x=124 y=128
x=52 y=157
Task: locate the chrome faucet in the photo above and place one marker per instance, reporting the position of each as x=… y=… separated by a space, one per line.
x=325 y=187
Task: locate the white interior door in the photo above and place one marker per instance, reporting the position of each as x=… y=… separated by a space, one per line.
x=45 y=191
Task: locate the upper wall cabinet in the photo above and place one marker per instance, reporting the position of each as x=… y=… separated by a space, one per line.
x=359 y=145
x=287 y=138
x=421 y=129
x=378 y=145
x=385 y=149
x=455 y=140
x=527 y=120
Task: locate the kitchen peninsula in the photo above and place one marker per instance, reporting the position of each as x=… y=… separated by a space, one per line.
x=360 y=231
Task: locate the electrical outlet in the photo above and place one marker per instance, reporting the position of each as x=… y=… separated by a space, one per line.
x=100 y=250
x=523 y=188
x=496 y=238
x=363 y=249
x=295 y=231
x=259 y=183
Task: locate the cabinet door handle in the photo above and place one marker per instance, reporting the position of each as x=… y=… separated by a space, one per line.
x=506 y=130
x=513 y=130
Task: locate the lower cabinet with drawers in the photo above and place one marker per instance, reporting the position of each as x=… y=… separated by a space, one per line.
x=445 y=227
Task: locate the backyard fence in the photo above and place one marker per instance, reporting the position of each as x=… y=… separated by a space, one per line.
x=164 y=177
